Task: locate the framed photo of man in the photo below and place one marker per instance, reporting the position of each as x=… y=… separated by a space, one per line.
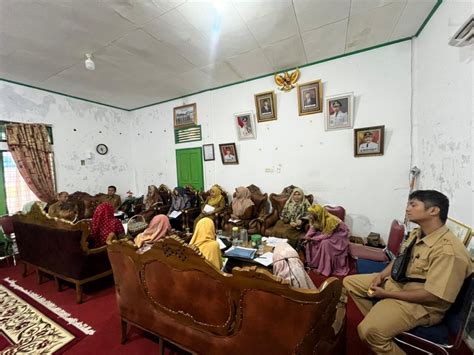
x=369 y=141
x=245 y=124
x=338 y=112
x=228 y=153
x=208 y=152
x=185 y=116
x=265 y=105
x=460 y=230
x=310 y=98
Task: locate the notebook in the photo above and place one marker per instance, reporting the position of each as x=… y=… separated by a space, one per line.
x=239 y=252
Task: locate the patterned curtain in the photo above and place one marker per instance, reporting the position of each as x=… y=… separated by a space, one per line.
x=29 y=146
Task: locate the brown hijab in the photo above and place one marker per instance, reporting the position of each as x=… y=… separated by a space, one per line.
x=241 y=201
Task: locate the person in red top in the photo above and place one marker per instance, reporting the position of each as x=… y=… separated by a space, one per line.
x=104 y=223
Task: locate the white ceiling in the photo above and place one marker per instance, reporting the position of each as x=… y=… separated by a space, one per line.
x=148 y=51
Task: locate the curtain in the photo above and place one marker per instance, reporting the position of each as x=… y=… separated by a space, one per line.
x=29 y=146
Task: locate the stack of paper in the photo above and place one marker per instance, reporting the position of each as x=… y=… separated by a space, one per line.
x=265 y=259
x=175 y=214
x=273 y=241
x=231 y=220
x=208 y=209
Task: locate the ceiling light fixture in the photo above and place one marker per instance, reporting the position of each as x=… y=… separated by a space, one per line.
x=90 y=65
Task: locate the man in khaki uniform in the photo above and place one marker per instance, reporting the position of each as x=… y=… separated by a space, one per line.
x=437 y=257
x=53 y=210
x=112 y=197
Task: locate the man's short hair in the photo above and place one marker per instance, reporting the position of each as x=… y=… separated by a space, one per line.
x=62 y=193
x=433 y=198
x=112 y=187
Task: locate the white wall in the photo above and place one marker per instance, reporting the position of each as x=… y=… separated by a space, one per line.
x=298 y=150
x=443 y=109
x=78 y=127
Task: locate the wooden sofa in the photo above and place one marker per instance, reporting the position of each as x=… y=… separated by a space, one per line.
x=59 y=248
x=174 y=293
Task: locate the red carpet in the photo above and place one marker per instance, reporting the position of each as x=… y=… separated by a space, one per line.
x=99 y=310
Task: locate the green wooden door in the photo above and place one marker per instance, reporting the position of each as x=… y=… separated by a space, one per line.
x=3 y=195
x=189 y=167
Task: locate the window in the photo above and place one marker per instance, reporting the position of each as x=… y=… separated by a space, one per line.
x=17 y=191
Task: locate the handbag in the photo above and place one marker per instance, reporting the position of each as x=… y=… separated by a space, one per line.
x=399 y=267
x=136 y=224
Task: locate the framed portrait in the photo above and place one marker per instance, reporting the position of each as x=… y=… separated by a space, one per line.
x=208 y=152
x=185 y=116
x=470 y=246
x=228 y=153
x=460 y=230
x=245 y=124
x=338 y=112
x=310 y=98
x=265 y=105
x=368 y=141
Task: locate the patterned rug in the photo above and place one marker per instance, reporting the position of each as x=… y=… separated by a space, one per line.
x=26 y=326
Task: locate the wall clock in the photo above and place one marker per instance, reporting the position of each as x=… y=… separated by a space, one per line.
x=102 y=149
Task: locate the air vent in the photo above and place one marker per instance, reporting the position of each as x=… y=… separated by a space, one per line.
x=465 y=35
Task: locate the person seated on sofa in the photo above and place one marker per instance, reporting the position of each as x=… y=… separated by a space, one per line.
x=68 y=211
x=438 y=264
x=152 y=199
x=292 y=216
x=111 y=197
x=104 y=223
x=215 y=201
x=179 y=202
x=288 y=266
x=242 y=205
x=53 y=210
x=204 y=238
x=158 y=228
x=326 y=243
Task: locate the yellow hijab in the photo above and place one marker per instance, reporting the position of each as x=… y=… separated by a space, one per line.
x=322 y=220
x=214 y=201
x=204 y=239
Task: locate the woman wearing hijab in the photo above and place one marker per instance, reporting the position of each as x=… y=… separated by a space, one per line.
x=242 y=209
x=215 y=200
x=204 y=238
x=326 y=243
x=288 y=266
x=152 y=199
x=158 y=228
x=104 y=223
x=179 y=202
x=291 y=219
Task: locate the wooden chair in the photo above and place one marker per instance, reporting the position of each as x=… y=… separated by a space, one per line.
x=160 y=207
x=278 y=202
x=253 y=217
x=192 y=213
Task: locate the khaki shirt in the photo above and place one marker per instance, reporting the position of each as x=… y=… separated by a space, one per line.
x=443 y=261
x=114 y=200
x=53 y=210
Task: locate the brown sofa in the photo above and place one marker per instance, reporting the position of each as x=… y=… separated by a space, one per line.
x=86 y=204
x=174 y=293
x=59 y=248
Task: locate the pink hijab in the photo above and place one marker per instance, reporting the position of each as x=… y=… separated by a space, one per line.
x=158 y=227
x=288 y=266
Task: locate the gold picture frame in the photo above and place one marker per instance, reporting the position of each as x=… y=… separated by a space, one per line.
x=265 y=106
x=310 y=98
x=184 y=116
x=369 y=141
x=460 y=230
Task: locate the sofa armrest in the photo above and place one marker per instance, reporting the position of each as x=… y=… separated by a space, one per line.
x=270 y=219
x=359 y=251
